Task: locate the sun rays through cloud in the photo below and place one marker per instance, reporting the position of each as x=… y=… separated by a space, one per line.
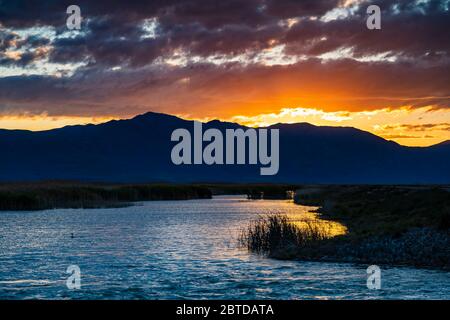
x=254 y=61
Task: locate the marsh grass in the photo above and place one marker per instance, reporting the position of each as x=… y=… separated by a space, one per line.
x=40 y=196
x=278 y=235
x=381 y=210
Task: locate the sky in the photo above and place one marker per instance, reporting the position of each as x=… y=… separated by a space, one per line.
x=256 y=62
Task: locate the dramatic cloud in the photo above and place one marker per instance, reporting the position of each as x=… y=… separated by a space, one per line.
x=419 y=127
x=204 y=58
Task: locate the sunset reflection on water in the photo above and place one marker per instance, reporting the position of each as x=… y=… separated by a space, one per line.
x=311 y=219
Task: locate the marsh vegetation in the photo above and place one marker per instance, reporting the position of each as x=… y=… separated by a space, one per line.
x=51 y=195
x=399 y=225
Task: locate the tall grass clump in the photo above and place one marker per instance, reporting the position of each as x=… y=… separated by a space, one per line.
x=277 y=235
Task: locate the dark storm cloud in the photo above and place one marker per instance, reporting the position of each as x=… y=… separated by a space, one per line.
x=233 y=39
x=30 y=13
x=211 y=13
x=112 y=35
x=207 y=27
x=108 y=52
x=23 y=60
x=32 y=88
x=7 y=40
x=32 y=49
x=294 y=8
x=409 y=31
x=358 y=85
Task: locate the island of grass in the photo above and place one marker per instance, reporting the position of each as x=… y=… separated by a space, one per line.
x=396 y=225
x=52 y=195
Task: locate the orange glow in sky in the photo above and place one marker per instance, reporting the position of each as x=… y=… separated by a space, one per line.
x=411 y=127
x=252 y=62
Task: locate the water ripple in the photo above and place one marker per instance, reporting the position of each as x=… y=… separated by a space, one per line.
x=178 y=250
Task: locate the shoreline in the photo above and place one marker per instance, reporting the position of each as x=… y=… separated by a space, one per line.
x=34 y=196
x=44 y=196
x=386 y=225
x=381 y=251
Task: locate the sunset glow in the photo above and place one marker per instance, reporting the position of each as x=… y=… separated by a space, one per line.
x=257 y=64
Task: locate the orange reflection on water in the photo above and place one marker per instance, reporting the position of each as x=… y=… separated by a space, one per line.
x=300 y=215
x=309 y=219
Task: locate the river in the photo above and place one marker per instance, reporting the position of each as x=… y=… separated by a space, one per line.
x=178 y=250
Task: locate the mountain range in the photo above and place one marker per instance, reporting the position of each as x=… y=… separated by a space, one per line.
x=138 y=150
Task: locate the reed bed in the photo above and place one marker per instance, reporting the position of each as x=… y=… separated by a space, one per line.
x=274 y=234
x=49 y=196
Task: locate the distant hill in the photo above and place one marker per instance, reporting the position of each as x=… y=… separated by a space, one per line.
x=138 y=150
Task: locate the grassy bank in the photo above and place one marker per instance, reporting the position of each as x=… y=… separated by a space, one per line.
x=386 y=225
x=59 y=194
x=275 y=233
x=40 y=196
x=380 y=210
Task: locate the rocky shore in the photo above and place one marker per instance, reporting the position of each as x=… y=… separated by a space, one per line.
x=421 y=247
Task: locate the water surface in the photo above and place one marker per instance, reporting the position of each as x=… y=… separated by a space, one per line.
x=178 y=250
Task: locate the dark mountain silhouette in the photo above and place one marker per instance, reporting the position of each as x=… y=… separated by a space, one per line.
x=138 y=150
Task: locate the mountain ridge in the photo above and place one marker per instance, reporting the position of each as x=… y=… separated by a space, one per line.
x=273 y=126
x=138 y=150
